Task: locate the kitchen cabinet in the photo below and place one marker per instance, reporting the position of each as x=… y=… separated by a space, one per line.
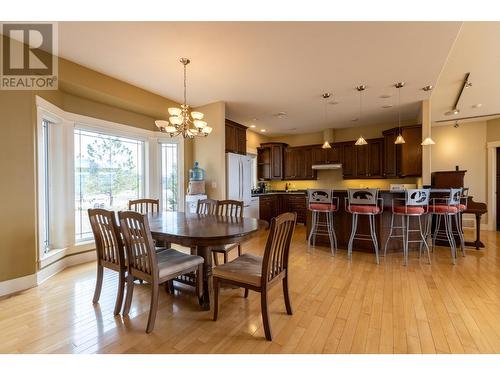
x=298 y=163
x=404 y=160
x=236 y=137
x=363 y=161
x=270 y=165
x=348 y=160
x=268 y=207
x=327 y=155
x=273 y=205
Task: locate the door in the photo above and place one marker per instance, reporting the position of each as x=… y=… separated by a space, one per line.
x=233 y=176
x=349 y=160
x=375 y=155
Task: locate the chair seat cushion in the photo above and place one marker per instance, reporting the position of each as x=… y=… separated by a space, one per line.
x=443 y=209
x=364 y=209
x=462 y=207
x=410 y=210
x=244 y=269
x=171 y=262
x=322 y=207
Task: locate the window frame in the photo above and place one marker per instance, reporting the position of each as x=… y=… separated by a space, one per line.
x=67 y=122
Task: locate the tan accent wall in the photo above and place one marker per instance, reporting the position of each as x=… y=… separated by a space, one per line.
x=17 y=189
x=210 y=151
x=254 y=140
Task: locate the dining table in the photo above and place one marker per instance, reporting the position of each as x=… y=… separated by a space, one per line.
x=202 y=233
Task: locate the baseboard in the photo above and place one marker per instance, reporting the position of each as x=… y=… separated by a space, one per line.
x=16 y=285
x=26 y=282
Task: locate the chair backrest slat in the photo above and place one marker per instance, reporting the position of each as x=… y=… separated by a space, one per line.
x=107 y=235
x=230 y=207
x=138 y=242
x=455 y=195
x=144 y=206
x=277 y=249
x=206 y=206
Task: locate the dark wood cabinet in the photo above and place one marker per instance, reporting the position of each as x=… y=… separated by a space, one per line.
x=403 y=160
x=332 y=155
x=275 y=204
x=268 y=207
x=349 y=160
x=298 y=163
x=270 y=165
x=236 y=137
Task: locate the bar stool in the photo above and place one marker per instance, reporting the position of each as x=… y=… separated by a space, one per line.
x=416 y=204
x=322 y=201
x=447 y=208
x=363 y=202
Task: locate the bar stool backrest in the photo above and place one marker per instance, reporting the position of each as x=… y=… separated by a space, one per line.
x=417 y=197
x=323 y=196
x=455 y=195
x=465 y=196
x=362 y=196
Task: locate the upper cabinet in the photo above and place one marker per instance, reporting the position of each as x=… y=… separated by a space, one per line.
x=363 y=161
x=327 y=155
x=298 y=163
x=236 y=138
x=270 y=165
x=404 y=160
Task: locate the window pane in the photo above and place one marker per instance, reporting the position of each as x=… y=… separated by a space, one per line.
x=169 y=181
x=108 y=173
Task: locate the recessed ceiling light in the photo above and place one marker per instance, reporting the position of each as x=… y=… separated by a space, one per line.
x=385 y=96
x=387 y=106
x=252 y=126
x=263 y=130
x=355 y=119
x=478 y=105
x=333 y=103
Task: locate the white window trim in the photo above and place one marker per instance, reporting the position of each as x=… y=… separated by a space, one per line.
x=70 y=121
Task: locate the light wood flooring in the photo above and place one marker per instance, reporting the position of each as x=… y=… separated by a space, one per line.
x=339 y=307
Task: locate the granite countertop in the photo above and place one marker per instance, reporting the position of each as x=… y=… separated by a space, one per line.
x=277 y=192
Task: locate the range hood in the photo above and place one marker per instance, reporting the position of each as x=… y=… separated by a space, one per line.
x=328 y=138
x=327 y=166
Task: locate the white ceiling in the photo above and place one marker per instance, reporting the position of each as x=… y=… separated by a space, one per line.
x=262 y=68
x=477 y=51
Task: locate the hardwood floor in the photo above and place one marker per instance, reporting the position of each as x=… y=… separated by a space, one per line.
x=339 y=307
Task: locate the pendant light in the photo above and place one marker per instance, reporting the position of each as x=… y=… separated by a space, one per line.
x=360 y=141
x=428 y=141
x=399 y=139
x=326 y=96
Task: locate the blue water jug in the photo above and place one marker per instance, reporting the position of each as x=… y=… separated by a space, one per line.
x=196 y=173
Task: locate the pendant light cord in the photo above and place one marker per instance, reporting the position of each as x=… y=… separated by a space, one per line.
x=399 y=109
x=185 y=101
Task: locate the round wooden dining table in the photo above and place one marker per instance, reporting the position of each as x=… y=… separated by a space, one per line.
x=202 y=232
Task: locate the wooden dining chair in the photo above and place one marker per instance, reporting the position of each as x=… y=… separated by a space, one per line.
x=145 y=205
x=230 y=208
x=156 y=268
x=261 y=273
x=110 y=251
x=206 y=206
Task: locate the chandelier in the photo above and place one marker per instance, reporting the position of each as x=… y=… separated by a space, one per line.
x=181 y=120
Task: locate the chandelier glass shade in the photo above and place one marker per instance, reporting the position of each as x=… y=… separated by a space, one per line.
x=182 y=121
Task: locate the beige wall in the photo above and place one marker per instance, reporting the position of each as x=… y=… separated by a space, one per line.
x=254 y=140
x=464 y=146
x=17 y=190
x=210 y=151
x=493 y=130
